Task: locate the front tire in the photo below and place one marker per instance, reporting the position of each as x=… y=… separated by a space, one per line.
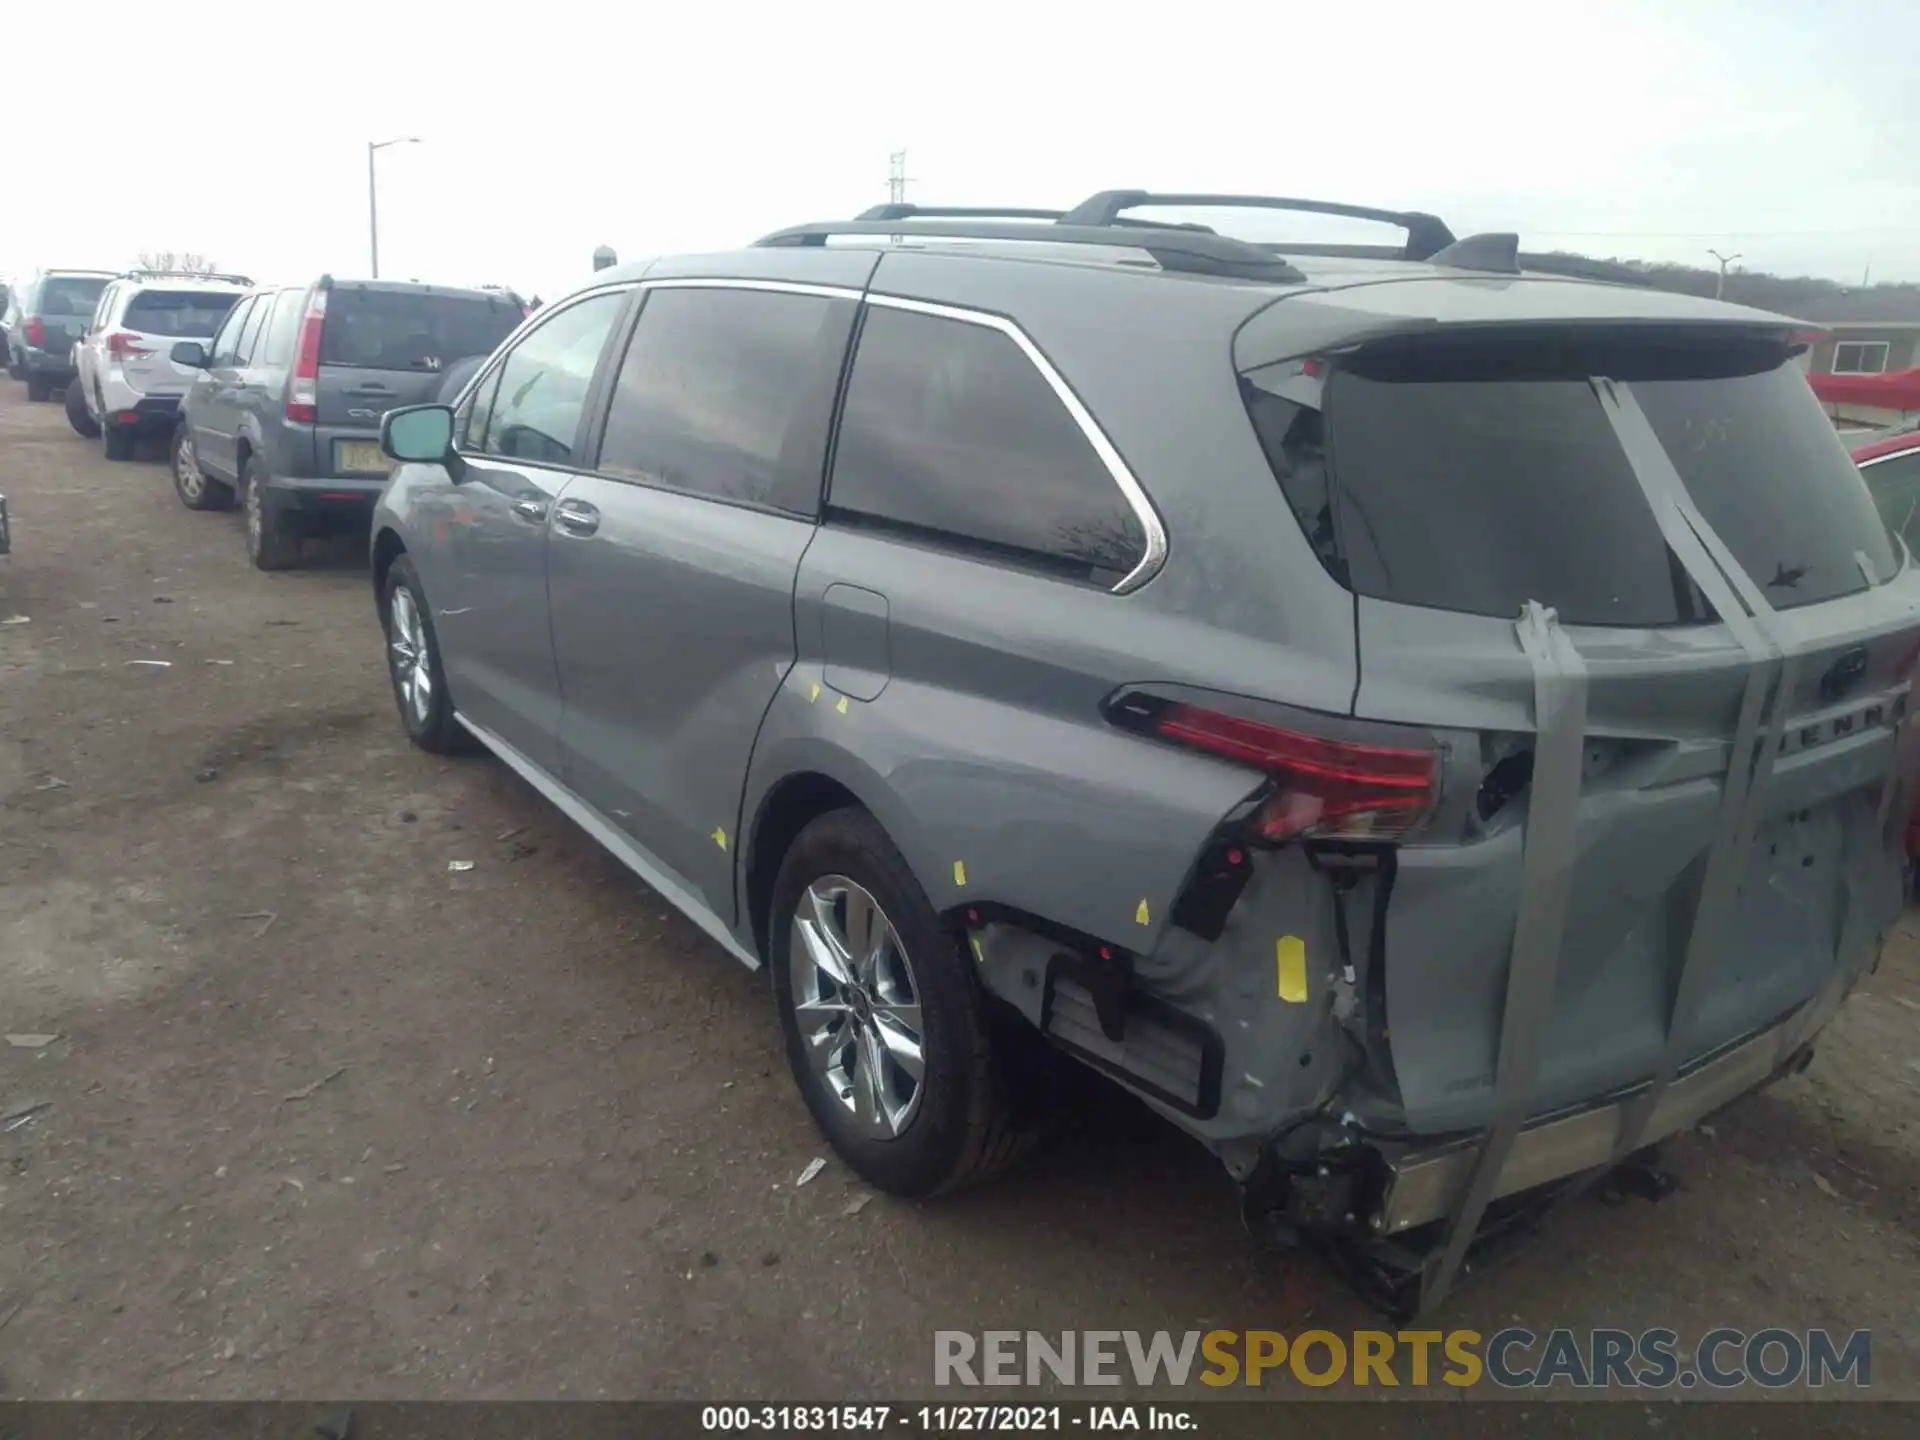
x=272 y=541
x=888 y=1031
x=413 y=663
x=197 y=490
x=84 y=425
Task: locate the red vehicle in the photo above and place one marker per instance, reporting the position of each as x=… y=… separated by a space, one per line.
x=1891 y=468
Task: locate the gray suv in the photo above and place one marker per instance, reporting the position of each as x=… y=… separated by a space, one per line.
x=285 y=404
x=1428 y=729
x=45 y=320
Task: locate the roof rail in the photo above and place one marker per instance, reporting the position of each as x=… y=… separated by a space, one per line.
x=1192 y=252
x=1426 y=234
x=142 y=272
x=905 y=210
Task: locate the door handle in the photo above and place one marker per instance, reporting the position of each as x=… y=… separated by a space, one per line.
x=531 y=510
x=577 y=517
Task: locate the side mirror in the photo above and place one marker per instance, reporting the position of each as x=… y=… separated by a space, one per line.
x=190 y=353
x=419 y=433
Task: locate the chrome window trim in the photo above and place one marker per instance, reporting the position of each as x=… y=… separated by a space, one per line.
x=1130 y=488
x=778 y=287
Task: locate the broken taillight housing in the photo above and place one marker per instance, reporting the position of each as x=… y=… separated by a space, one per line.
x=1323 y=789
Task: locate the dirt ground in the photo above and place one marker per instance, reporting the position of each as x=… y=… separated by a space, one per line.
x=323 y=1117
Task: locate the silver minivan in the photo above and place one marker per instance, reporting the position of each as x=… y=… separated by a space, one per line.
x=1427 y=728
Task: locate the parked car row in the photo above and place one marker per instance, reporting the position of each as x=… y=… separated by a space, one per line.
x=1340 y=697
x=268 y=396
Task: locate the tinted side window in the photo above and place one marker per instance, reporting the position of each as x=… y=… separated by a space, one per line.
x=950 y=430
x=283 y=328
x=1894 y=484
x=729 y=394
x=249 y=344
x=543 y=384
x=226 y=345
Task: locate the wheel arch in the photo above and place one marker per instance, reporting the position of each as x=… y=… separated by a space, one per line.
x=387 y=548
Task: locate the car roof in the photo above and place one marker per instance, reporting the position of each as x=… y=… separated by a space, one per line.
x=414 y=287
x=163 y=280
x=1334 y=294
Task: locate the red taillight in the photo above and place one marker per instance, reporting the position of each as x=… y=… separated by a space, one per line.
x=1325 y=789
x=36 y=331
x=303 y=390
x=124 y=345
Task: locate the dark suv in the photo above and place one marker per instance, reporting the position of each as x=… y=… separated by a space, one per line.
x=1430 y=729
x=52 y=311
x=285 y=407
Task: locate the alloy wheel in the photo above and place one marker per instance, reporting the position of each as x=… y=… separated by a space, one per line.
x=186 y=469
x=407 y=654
x=858 y=1006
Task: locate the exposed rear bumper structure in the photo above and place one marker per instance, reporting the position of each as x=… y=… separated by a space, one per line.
x=1424 y=1183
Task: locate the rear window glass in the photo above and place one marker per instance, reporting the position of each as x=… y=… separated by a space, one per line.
x=70 y=294
x=1476 y=482
x=1762 y=462
x=401 y=330
x=192 y=313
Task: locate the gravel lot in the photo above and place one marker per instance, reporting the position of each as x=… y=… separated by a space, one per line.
x=323 y=1117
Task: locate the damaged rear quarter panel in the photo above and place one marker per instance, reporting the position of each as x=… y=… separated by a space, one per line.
x=995 y=772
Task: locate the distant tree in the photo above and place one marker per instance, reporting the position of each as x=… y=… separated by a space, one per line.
x=186 y=262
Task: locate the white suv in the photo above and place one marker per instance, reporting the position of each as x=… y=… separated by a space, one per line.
x=126 y=381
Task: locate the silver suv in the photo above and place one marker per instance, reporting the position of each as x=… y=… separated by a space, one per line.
x=1429 y=729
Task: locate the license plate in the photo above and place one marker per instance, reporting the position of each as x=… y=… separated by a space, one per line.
x=360 y=457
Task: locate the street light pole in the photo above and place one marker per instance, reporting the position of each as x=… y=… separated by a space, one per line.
x=373 y=196
x=1720 y=285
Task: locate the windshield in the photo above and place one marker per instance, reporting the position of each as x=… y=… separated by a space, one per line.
x=71 y=294
x=404 y=330
x=1475 y=482
x=193 y=314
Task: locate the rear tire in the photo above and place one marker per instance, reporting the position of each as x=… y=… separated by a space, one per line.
x=197 y=490
x=39 y=387
x=272 y=541
x=958 y=1123
x=83 y=422
x=414 y=665
x=119 y=441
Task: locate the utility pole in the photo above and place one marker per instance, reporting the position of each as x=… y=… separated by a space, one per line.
x=1720 y=285
x=373 y=197
x=897 y=177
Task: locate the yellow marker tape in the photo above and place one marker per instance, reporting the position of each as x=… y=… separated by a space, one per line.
x=978 y=954
x=813 y=692
x=842 y=706
x=959 y=872
x=1140 y=916
x=1291 y=957
x=720 y=838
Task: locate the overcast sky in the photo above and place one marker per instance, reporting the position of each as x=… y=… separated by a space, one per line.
x=1785 y=131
